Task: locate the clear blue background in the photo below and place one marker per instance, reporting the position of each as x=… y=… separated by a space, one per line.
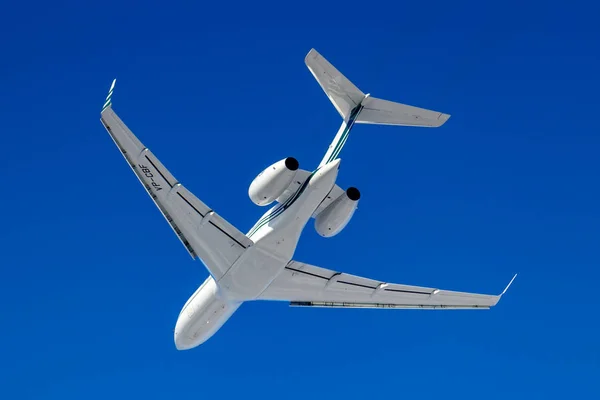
x=93 y=277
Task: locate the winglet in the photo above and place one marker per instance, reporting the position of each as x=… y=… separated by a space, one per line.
x=107 y=103
x=507 y=286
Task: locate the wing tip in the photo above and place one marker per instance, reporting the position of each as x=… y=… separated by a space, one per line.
x=507 y=286
x=441 y=120
x=498 y=297
x=108 y=101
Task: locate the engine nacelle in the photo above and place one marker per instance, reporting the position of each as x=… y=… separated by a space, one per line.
x=336 y=215
x=273 y=181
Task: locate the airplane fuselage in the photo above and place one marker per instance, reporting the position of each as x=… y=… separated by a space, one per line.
x=275 y=236
x=259 y=265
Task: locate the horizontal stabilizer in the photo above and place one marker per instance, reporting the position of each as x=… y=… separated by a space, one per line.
x=384 y=112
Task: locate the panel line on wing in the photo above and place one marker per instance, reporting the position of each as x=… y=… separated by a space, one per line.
x=307 y=273
x=232 y=238
x=159 y=171
x=167 y=216
x=190 y=204
x=408 y=291
x=358 y=284
x=210 y=222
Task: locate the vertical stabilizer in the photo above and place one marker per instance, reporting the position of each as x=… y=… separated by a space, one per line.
x=342 y=93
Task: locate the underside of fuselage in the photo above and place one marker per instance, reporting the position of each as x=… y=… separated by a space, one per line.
x=275 y=242
x=258 y=264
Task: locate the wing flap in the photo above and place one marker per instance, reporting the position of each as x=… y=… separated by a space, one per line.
x=307 y=285
x=324 y=304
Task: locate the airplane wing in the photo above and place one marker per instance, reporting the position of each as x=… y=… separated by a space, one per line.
x=310 y=286
x=203 y=232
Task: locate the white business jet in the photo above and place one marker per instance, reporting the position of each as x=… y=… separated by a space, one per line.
x=259 y=264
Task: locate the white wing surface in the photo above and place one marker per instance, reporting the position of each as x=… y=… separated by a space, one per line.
x=203 y=232
x=310 y=286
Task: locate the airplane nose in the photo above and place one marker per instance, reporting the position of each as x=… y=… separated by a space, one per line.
x=180 y=335
x=181 y=342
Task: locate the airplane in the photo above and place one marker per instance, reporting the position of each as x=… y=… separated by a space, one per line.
x=259 y=265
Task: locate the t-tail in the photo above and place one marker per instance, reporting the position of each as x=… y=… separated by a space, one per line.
x=355 y=107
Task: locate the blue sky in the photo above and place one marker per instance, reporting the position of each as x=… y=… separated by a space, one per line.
x=93 y=278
